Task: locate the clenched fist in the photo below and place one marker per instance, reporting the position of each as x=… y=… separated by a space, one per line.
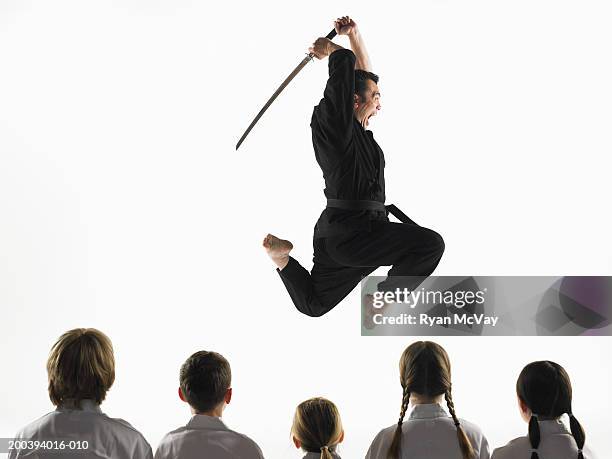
x=345 y=26
x=323 y=47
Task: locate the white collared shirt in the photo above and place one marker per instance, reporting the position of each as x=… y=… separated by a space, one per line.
x=556 y=442
x=106 y=437
x=207 y=436
x=429 y=433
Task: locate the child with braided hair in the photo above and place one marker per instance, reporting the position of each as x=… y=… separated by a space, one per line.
x=544 y=395
x=317 y=429
x=430 y=431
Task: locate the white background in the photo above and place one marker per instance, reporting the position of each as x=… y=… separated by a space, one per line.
x=123 y=205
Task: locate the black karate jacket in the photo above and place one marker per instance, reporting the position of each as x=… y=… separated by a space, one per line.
x=351 y=160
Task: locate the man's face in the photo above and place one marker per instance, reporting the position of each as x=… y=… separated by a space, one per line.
x=368 y=106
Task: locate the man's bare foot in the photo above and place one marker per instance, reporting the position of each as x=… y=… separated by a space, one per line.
x=278 y=250
x=368 y=311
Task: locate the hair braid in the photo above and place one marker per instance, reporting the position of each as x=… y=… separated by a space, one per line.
x=544 y=387
x=534 y=436
x=467 y=450
x=451 y=407
x=396 y=443
x=578 y=434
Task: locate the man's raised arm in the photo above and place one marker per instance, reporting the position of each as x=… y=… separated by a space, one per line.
x=346 y=26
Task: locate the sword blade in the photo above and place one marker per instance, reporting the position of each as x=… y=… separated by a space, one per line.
x=300 y=66
x=284 y=84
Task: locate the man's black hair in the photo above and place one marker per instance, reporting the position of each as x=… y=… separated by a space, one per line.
x=205 y=378
x=361 y=77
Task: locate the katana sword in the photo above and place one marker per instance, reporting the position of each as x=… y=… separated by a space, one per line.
x=291 y=76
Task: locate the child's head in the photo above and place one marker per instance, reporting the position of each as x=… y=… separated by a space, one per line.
x=544 y=389
x=425 y=370
x=81 y=365
x=317 y=427
x=544 y=392
x=205 y=382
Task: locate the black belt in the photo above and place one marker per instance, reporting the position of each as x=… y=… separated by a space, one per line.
x=353 y=204
x=360 y=204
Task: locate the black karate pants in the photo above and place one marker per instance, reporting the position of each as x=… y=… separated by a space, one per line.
x=341 y=262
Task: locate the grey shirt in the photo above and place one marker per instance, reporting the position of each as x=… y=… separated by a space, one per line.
x=556 y=442
x=207 y=436
x=107 y=438
x=428 y=432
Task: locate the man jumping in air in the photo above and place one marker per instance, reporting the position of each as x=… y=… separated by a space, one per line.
x=353 y=235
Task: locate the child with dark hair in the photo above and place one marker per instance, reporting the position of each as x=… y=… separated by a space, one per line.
x=205 y=385
x=544 y=395
x=430 y=431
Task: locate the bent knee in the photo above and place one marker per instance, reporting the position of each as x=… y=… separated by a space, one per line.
x=314 y=312
x=436 y=242
x=314 y=307
x=440 y=243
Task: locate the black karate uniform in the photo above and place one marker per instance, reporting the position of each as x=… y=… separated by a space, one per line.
x=349 y=244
